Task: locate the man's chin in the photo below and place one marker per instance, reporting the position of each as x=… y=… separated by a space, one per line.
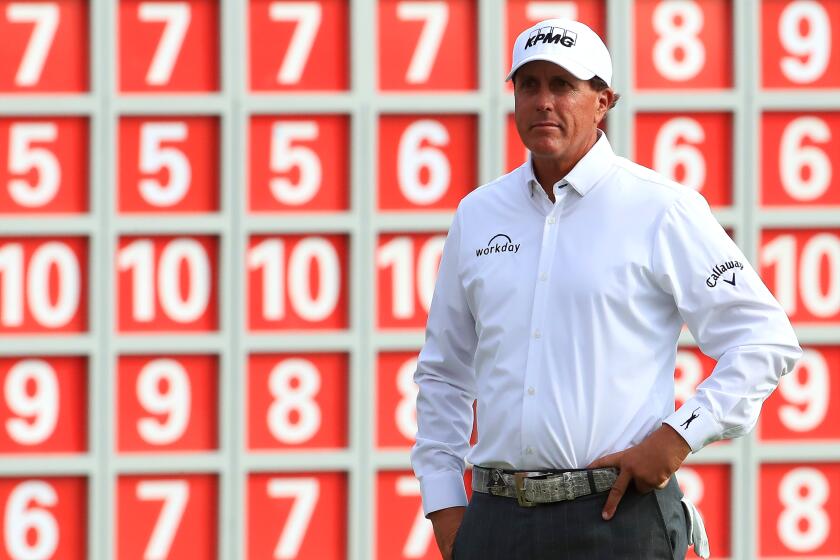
x=546 y=144
x=542 y=152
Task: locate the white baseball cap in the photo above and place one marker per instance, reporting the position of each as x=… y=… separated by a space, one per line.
x=567 y=43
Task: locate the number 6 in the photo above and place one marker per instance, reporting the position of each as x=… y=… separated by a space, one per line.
x=668 y=154
x=23 y=519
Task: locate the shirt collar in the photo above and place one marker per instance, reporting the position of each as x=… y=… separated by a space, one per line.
x=585 y=174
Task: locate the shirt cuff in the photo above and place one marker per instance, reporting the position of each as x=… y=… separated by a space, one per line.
x=443 y=490
x=695 y=424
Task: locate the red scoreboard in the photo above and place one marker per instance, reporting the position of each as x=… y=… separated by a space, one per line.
x=220 y=229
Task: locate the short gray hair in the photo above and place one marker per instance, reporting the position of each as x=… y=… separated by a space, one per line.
x=598 y=84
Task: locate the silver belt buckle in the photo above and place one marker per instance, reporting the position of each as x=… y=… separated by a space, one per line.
x=519 y=484
x=496 y=483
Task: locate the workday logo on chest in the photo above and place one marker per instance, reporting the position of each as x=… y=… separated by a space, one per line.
x=499 y=243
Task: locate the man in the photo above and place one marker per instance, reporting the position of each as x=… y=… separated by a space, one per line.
x=562 y=290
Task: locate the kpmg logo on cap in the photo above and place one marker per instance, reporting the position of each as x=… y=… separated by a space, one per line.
x=551 y=34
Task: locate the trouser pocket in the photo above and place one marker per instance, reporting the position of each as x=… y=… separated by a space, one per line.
x=673 y=516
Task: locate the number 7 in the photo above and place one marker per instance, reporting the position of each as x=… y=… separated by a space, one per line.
x=436 y=16
x=538 y=11
x=308 y=16
x=305 y=491
x=421 y=532
x=175 y=494
x=177 y=18
x=45 y=17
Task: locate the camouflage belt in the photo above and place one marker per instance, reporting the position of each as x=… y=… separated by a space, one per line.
x=533 y=488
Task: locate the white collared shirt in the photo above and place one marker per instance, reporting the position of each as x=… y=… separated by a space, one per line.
x=562 y=320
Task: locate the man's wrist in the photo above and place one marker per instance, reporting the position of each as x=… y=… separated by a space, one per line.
x=445 y=513
x=676 y=442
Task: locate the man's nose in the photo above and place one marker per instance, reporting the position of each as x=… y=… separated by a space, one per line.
x=544 y=100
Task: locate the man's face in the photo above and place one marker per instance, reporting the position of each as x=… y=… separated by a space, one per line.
x=556 y=113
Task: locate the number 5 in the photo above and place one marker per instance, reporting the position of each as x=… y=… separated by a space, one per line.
x=155 y=157
x=23 y=157
x=285 y=156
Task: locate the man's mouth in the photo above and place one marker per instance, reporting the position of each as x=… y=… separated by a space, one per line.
x=545 y=124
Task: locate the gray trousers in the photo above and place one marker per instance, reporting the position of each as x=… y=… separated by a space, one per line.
x=645 y=527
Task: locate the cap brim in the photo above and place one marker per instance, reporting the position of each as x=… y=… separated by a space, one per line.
x=577 y=70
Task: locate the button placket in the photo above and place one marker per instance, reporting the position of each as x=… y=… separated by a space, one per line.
x=535 y=350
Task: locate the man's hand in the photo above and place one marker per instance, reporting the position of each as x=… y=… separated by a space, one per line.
x=446 y=523
x=649 y=465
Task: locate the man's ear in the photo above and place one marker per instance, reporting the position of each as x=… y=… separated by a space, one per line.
x=605 y=101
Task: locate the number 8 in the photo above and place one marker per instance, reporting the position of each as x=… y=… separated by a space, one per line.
x=298 y=398
x=406 y=416
x=674 y=38
x=807 y=507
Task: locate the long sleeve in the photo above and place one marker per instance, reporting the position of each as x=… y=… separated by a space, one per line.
x=734 y=319
x=446 y=382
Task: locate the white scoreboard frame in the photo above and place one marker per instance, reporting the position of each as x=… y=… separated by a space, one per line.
x=233 y=104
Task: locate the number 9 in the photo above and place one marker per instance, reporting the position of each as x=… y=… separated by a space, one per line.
x=815 y=45
x=691 y=484
x=42 y=405
x=173 y=401
x=690 y=373
x=812 y=393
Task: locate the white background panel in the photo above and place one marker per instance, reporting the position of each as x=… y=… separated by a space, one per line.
x=220 y=227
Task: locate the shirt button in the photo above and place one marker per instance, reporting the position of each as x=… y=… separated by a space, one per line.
x=528 y=451
x=537 y=333
x=551 y=219
x=531 y=390
x=543 y=277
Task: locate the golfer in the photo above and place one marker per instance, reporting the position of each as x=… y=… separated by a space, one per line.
x=562 y=290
